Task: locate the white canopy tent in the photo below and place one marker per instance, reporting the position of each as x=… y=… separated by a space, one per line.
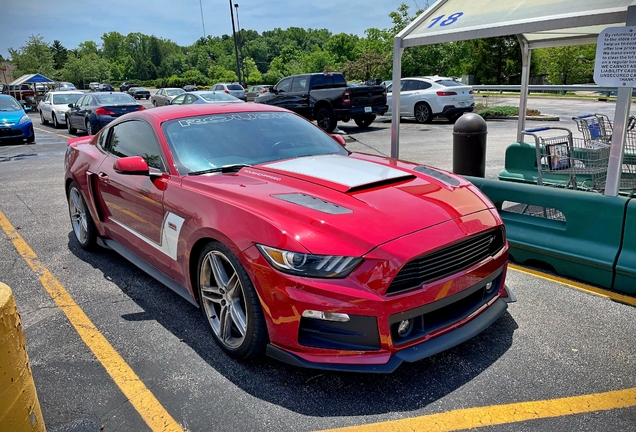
x=537 y=24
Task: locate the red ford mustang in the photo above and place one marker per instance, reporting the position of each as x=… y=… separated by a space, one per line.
x=288 y=243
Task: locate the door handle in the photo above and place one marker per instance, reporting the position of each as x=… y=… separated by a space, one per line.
x=103 y=177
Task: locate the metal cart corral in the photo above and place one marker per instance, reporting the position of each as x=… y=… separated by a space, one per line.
x=557 y=152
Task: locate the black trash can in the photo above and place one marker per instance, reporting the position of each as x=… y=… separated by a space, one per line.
x=469 y=145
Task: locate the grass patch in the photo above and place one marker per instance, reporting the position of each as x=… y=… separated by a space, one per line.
x=505 y=111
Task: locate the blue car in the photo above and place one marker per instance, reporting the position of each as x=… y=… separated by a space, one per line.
x=14 y=122
x=93 y=111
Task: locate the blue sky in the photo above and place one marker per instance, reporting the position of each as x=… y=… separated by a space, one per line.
x=72 y=21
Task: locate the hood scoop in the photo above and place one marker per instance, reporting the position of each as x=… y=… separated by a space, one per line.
x=343 y=173
x=313 y=203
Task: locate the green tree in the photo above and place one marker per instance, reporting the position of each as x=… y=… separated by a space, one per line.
x=59 y=54
x=567 y=65
x=87 y=67
x=495 y=60
x=342 y=46
x=34 y=57
x=112 y=45
x=368 y=65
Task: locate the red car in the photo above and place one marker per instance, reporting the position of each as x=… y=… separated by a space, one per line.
x=290 y=244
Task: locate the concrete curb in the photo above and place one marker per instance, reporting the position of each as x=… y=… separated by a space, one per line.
x=19 y=405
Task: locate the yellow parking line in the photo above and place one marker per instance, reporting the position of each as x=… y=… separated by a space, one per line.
x=470 y=418
x=49 y=132
x=578 y=285
x=154 y=414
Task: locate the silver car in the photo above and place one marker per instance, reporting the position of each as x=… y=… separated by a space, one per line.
x=165 y=95
x=233 y=89
x=54 y=106
x=256 y=90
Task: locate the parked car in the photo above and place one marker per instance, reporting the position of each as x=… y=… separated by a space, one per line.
x=23 y=93
x=93 y=86
x=64 y=86
x=165 y=95
x=233 y=89
x=289 y=244
x=326 y=98
x=93 y=111
x=190 y=88
x=15 y=124
x=256 y=90
x=139 y=92
x=126 y=85
x=54 y=106
x=105 y=88
x=203 y=97
x=427 y=97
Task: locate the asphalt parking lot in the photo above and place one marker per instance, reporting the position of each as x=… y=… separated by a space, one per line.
x=561 y=358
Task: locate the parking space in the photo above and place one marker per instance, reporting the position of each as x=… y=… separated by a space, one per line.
x=554 y=361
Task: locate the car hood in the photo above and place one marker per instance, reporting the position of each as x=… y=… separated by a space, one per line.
x=11 y=117
x=352 y=203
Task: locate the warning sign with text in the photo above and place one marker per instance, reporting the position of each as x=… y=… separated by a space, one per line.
x=616 y=57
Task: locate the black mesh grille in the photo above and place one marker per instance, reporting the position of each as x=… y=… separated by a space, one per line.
x=446 y=261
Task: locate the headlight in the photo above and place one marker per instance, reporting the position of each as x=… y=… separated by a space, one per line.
x=25 y=118
x=302 y=264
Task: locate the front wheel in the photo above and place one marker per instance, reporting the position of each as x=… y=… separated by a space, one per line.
x=325 y=120
x=70 y=128
x=43 y=121
x=154 y=103
x=423 y=113
x=81 y=219
x=230 y=304
x=89 y=128
x=56 y=124
x=365 y=121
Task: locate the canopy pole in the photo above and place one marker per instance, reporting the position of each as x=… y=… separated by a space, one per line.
x=395 y=97
x=526 y=54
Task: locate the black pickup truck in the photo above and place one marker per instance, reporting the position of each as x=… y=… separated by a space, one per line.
x=326 y=98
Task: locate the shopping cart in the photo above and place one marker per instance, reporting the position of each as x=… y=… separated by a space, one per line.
x=561 y=158
x=595 y=127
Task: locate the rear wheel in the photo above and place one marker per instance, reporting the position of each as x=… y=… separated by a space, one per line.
x=325 y=120
x=81 y=220
x=42 y=119
x=423 y=113
x=154 y=103
x=365 y=121
x=229 y=303
x=89 y=128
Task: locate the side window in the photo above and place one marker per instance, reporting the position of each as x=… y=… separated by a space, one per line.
x=338 y=79
x=299 y=84
x=88 y=100
x=190 y=99
x=80 y=102
x=136 y=138
x=423 y=85
x=284 y=85
x=178 y=100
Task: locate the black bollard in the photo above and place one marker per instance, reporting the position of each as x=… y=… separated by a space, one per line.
x=469 y=145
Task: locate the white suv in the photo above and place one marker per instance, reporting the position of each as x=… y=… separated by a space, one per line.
x=428 y=97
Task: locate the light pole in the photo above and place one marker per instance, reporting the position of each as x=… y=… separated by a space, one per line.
x=238 y=68
x=240 y=42
x=202 y=22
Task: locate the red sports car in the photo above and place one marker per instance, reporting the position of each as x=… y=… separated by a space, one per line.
x=288 y=243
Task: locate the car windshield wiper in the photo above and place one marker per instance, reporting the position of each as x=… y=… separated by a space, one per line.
x=224 y=169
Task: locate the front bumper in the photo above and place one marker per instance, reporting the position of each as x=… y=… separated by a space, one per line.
x=16 y=131
x=413 y=353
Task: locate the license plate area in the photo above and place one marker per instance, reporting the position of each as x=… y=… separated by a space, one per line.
x=367 y=109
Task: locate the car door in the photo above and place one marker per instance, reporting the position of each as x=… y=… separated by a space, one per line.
x=73 y=114
x=46 y=107
x=85 y=110
x=133 y=204
x=279 y=95
x=298 y=97
x=408 y=97
x=158 y=97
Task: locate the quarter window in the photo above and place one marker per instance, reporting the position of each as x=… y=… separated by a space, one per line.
x=136 y=138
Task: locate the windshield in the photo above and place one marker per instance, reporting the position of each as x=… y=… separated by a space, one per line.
x=218 y=97
x=9 y=104
x=449 y=83
x=174 y=92
x=234 y=87
x=207 y=142
x=65 y=99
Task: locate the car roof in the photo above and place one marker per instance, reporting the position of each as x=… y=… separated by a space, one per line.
x=171 y=112
x=66 y=92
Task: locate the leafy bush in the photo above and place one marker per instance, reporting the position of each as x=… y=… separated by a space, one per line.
x=505 y=111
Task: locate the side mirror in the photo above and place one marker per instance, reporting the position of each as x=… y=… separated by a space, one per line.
x=168 y=102
x=71 y=105
x=131 y=165
x=340 y=139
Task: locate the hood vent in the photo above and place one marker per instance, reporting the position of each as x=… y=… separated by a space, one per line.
x=437 y=175
x=313 y=203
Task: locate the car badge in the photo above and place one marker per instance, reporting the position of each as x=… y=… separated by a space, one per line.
x=172 y=226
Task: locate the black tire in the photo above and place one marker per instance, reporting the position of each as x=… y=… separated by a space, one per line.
x=154 y=103
x=43 y=121
x=89 y=128
x=81 y=219
x=454 y=117
x=365 y=121
x=423 y=113
x=229 y=303
x=70 y=128
x=147 y=97
x=56 y=124
x=31 y=139
x=325 y=120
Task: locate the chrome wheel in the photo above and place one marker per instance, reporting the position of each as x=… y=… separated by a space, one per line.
x=423 y=113
x=223 y=299
x=77 y=211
